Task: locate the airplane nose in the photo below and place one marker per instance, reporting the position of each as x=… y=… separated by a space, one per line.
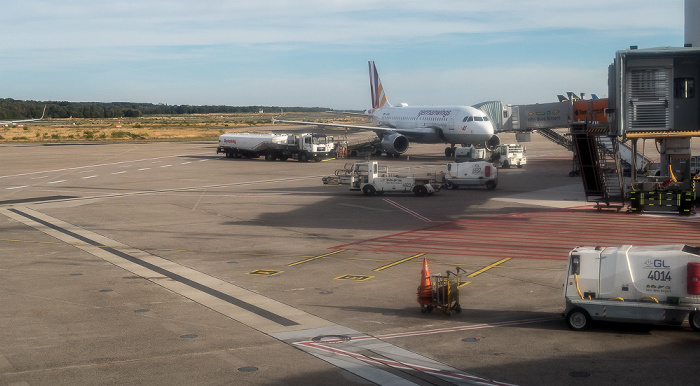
x=487 y=129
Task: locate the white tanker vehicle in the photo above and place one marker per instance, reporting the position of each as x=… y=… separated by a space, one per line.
x=301 y=147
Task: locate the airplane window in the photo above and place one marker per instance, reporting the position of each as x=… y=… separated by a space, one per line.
x=486 y=119
x=467 y=119
x=478 y=119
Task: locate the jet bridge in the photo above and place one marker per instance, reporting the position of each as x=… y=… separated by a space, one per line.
x=582 y=127
x=654 y=95
x=553 y=121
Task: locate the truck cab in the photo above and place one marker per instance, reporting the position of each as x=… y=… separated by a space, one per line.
x=314 y=146
x=509 y=155
x=372 y=179
x=657 y=284
x=474 y=173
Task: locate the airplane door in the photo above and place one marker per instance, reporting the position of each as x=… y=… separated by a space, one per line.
x=451 y=124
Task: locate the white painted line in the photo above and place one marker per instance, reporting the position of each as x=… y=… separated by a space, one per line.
x=17 y=187
x=56 y=182
x=185 y=163
x=104 y=164
x=38 y=178
x=166 y=166
x=123 y=171
x=85 y=178
x=253 y=309
x=402 y=365
x=412 y=213
x=144 y=169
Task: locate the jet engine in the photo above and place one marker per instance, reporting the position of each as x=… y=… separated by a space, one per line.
x=395 y=143
x=493 y=142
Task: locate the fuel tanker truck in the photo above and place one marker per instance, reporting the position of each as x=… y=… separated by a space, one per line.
x=639 y=284
x=301 y=147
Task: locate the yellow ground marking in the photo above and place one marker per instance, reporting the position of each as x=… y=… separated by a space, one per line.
x=314 y=258
x=354 y=277
x=482 y=270
x=488 y=267
x=264 y=272
x=398 y=262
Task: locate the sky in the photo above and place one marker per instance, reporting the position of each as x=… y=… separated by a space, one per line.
x=314 y=53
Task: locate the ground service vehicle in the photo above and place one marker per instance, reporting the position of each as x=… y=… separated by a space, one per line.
x=302 y=147
x=371 y=179
x=439 y=292
x=469 y=153
x=477 y=173
x=509 y=155
x=640 y=284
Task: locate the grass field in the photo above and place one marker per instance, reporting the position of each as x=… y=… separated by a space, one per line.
x=151 y=128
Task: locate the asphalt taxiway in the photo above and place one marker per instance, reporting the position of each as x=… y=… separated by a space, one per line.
x=155 y=263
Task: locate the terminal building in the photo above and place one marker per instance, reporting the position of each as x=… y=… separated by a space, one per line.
x=654 y=94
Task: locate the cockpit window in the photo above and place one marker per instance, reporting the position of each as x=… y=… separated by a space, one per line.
x=478 y=119
x=468 y=119
x=486 y=119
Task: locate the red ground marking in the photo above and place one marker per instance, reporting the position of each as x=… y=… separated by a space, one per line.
x=537 y=235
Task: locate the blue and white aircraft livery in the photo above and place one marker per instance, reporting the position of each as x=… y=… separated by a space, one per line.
x=401 y=124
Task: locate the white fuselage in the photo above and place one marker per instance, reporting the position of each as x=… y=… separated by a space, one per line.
x=436 y=124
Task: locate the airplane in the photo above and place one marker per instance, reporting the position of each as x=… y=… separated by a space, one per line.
x=6 y=123
x=398 y=125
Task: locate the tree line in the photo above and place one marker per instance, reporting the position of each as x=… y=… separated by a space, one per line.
x=18 y=109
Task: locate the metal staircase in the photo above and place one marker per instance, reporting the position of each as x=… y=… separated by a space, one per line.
x=599 y=162
x=557 y=138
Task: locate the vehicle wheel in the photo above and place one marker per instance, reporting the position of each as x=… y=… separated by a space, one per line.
x=450 y=185
x=491 y=185
x=283 y=158
x=369 y=190
x=448 y=312
x=429 y=307
x=520 y=166
x=420 y=191
x=423 y=309
x=303 y=157
x=317 y=159
x=571 y=174
x=506 y=165
x=269 y=157
x=578 y=319
x=449 y=152
x=694 y=320
x=458 y=308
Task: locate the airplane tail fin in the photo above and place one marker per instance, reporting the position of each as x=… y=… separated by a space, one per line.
x=378 y=97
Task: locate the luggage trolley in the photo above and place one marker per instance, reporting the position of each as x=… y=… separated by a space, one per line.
x=445 y=293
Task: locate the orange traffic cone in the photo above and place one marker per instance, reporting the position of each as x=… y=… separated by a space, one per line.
x=425 y=289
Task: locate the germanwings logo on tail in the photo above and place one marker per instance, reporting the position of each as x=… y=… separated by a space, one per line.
x=375 y=85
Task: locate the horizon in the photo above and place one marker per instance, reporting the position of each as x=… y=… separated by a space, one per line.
x=274 y=53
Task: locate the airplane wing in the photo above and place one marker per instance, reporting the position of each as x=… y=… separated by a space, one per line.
x=363 y=114
x=376 y=129
x=24 y=120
